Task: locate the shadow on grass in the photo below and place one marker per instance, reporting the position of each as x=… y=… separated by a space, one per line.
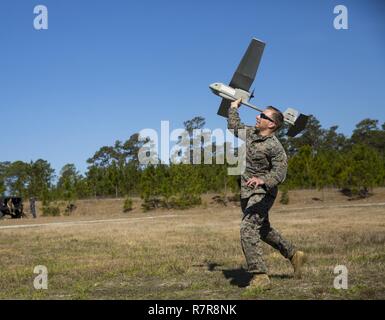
x=212 y=265
x=238 y=277
x=281 y=276
x=241 y=277
x=209 y=265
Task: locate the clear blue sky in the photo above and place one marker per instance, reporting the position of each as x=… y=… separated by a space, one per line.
x=106 y=69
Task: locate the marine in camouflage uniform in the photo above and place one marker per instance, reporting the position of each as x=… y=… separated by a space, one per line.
x=266 y=167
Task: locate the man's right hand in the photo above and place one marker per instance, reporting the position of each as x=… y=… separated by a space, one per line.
x=236 y=104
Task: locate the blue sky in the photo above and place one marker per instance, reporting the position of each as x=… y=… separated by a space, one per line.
x=106 y=69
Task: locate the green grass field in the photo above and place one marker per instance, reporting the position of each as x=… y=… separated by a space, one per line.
x=193 y=254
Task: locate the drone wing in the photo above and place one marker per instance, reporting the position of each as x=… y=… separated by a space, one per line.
x=245 y=73
x=247 y=69
x=224 y=108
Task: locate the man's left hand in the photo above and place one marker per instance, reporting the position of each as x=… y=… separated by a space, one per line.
x=256 y=181
x=236 y=104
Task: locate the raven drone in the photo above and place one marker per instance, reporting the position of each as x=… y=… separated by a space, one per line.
x=240 y=85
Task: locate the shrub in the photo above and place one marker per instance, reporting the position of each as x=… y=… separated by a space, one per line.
x=220 y=199
x=53 y=211
x=151 y=203
x=127 y=206
x=71 y=207
x=184 y=202
x=175 y=202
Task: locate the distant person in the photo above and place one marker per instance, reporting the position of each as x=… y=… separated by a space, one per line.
x=32 y=206
x=10 y=206
x=3 y=206
x=266 y=168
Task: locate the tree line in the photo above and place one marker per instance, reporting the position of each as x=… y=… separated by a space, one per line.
x=318 y=158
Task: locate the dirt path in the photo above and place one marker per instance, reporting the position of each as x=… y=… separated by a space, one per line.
x=125 y=220
x=84 y=222
x=336 y=206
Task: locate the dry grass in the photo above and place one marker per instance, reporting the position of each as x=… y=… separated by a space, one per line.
x=193 y=255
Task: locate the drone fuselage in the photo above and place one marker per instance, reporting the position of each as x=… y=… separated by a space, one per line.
x=290 y=115
x=230 y=93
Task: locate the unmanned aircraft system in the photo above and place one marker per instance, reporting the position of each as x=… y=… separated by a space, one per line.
x=240 y=85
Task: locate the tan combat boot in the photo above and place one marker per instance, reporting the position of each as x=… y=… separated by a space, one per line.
x=259 y=282
x=297 y=261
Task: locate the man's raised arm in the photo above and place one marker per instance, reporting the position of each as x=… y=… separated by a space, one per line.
x=234 y=121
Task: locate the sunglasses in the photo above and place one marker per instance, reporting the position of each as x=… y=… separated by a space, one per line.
x=263 y=116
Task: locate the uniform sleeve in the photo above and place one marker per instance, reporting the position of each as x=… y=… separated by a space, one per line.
x=234 y=122
x=278 y=170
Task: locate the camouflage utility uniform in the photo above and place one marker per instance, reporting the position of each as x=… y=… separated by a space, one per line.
x=265 y=159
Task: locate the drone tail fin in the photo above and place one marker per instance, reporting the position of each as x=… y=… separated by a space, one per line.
x=296 y=120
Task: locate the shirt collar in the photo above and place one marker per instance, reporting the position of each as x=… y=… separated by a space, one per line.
x=258 y=137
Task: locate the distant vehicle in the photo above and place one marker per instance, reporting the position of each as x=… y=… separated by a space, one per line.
x=12 y=206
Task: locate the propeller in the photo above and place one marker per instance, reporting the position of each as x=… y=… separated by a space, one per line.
x=252 y=94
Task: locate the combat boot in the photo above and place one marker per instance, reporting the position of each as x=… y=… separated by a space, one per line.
x=297 y=261
x=260 y=281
